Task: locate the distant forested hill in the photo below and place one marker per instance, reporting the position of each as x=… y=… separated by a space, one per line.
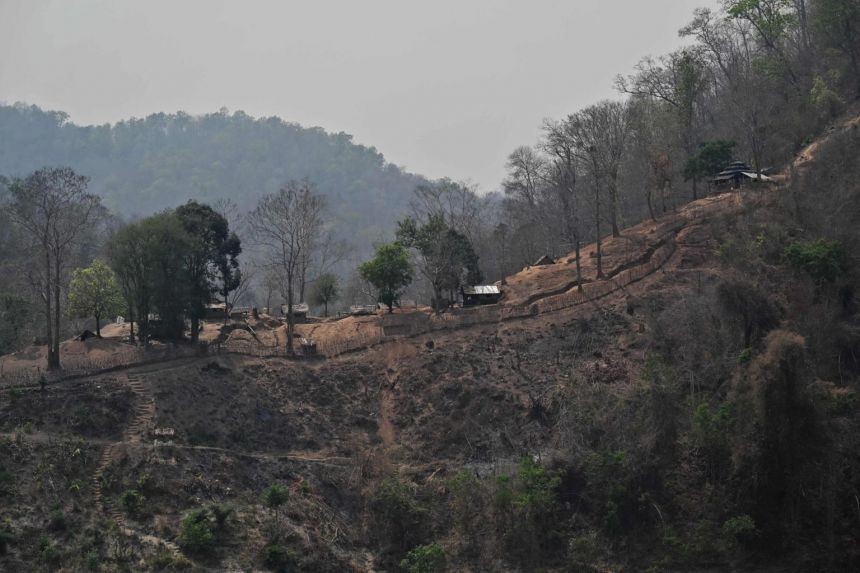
x=143 y=165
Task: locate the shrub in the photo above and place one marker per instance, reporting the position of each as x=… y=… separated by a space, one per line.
x=710 y=433
x=221 y=513
x=163 y=559
x=7 y=482
x=93 y=560
x=749 y=308
x=528 y=506
x=537 y=491
x=424 y=559
x=195 y=533
x=275 y=496
x=278 y=558
x=738 y=529
x=131 y=501
x=466 y=498
x=823 y=260
x=48 y=553
x=57 y=522
x=5 y=539
x=397 y=512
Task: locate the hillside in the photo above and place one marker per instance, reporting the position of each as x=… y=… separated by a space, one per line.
x=699 y=415
x=140 y=166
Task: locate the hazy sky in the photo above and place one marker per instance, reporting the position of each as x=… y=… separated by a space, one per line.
x=445 y=88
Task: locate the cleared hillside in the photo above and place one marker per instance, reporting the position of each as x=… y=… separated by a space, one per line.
x=703 y=417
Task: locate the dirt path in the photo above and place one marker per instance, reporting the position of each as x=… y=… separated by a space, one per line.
x=144 y=412
x=386 y=412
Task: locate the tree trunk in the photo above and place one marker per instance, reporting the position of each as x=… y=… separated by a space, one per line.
x=325 y=309
x=131 y=325
x=54 y=360
x=597 y=226
x=649 y=196
x=98 y=326
x=49 y=315
x=195 y=328
x=437 y=298
x=290 y=318
x=613 y=198
x=695 y=188
x=578 y=266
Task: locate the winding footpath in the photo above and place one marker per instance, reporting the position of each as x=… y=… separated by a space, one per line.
x=144 y=413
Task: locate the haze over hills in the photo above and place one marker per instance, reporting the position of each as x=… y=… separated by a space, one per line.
x=642 y=355
x=140 y=166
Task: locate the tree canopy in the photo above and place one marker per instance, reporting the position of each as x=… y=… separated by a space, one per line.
x=93 y=291
x=143 y=165
x=389 y=271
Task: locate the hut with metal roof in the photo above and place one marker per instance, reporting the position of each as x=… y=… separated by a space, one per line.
x=480 y=294
x=738 y=174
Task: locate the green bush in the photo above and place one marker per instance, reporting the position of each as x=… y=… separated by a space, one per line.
x=738 y=529
x=424 y=559
x=278 y=558
x=196 y=534
x=275 y=496
x=823 y=260
x=466 y=498
x=526 y=507
x=48 y=552
x=536 y=494
x=397 y=513
x=131 y=501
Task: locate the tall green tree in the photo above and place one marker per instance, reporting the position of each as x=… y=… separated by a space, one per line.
x=446 y=257
x=174 y=286
x=93 y=291
x=131 y=258
x=389 y=271
x=712 y=157
x=211 y=259
x=836 y=25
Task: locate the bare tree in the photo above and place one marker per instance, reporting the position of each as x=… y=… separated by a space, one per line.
x=524 y=174
x=287 y=224
x=53 y=207
x=325 y=254
x=559 y=144
x=679 y=80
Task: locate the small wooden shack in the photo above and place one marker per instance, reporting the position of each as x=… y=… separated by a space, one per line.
x=481 y=294
x=300 y=312
x=739 y=174
x=215 y=311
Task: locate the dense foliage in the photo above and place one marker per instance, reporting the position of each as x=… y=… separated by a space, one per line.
x=140 y=166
